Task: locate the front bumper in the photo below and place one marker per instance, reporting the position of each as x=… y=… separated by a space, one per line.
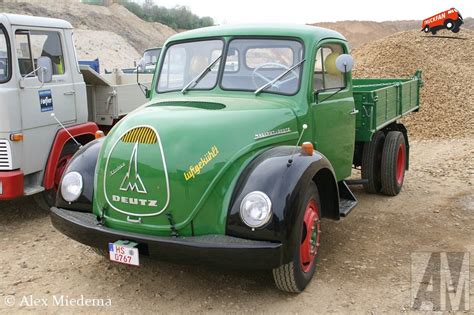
x=11 y=184
x=219 y=250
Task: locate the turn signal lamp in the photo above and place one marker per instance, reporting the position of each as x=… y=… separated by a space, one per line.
x=16 y=137
x=99 y=134
x=308 y=148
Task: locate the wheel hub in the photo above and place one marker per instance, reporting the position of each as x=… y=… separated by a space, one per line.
x=311 y=234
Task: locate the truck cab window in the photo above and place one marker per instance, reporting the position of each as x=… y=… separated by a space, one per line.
x=326 y=75
x=30 y=45
x=4 y=57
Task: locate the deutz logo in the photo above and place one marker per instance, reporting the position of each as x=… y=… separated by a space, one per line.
x=132 y=180
x=142 y=188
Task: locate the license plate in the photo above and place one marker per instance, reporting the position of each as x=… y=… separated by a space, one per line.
x=124 y=252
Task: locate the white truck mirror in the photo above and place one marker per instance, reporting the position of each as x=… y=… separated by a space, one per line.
x=344 y=63
x=45 y=70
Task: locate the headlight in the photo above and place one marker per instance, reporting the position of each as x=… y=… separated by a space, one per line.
x=256 y=209
x=71 y=186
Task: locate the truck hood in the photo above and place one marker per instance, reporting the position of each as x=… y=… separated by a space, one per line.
x=159 y=164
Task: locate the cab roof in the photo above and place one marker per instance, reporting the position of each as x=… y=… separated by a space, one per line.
x=26 y=20
x=304 y=32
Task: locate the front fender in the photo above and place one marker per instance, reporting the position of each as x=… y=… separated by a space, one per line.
x=284 y=183
x=83 y=162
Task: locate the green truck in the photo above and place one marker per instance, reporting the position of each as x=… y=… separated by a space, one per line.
x=247 y=141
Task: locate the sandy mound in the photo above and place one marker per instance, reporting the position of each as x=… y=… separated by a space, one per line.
x=115 y=35
x=447 y=98
x=112 y=50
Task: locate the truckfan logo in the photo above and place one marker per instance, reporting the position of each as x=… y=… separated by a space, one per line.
x=142 y=188
x=450 y=19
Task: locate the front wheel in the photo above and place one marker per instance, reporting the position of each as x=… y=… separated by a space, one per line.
x=455 y=30
x=449 y=24
x=295 y=275
x=426 y=29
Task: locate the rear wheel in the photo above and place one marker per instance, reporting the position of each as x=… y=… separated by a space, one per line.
x=371 y=163
x=47 y=198
x=393 y=163
x=295 y=275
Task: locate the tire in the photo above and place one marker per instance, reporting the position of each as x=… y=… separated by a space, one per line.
x=295 y=275
x=455 y=30
x=449 y=24
x=371 y=163
x=433 y=32
x=394 y=157
x=426 y=29
x=47 y=198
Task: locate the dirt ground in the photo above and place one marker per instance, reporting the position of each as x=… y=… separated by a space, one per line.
x=364 y=263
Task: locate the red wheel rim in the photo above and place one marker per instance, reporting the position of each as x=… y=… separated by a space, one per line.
x=63 y=161
x=401 y=156
x=311 y=234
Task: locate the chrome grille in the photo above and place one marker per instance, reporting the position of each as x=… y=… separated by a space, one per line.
x=5 y=155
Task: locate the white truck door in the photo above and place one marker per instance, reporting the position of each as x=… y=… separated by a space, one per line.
x=38 y=101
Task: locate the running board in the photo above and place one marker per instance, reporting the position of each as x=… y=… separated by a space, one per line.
x=347 y=200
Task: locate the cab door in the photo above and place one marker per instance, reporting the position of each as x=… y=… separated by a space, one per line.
x=333 y=110
x=38 y=101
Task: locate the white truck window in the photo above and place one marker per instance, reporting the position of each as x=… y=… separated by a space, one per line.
x=30 y=45
x=4 y=57
x=326 y=75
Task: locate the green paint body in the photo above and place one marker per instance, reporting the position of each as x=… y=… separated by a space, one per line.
x=205 y=139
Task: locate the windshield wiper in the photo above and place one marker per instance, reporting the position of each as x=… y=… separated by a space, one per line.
x=200 y=76
x=272 y=82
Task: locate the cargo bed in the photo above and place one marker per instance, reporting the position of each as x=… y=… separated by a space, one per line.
x=383 y=101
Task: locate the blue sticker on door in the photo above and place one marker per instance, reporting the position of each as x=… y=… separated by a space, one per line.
x=46 y=100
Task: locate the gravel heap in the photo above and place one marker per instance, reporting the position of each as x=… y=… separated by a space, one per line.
x=447 y=98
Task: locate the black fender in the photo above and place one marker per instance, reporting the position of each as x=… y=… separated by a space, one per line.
x=83 y=162
x=284 y=183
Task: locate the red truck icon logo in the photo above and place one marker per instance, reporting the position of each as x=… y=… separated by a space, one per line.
x=450 y=19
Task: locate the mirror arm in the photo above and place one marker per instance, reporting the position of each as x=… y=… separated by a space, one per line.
x=22 y=80
x=316 y=96
x=142 y=87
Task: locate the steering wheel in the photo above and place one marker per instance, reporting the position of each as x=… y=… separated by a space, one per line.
x=256 y=74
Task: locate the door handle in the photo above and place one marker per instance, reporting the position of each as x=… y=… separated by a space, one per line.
x=354 y=112
x=69 y=93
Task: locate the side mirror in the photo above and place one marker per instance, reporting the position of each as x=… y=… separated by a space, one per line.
x=45 y=70
x=344 y=63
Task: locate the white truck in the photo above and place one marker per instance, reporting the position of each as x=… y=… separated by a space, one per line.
x=42 y=87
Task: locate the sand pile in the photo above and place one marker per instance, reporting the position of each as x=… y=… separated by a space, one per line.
x=113 y=33
x=447 y=98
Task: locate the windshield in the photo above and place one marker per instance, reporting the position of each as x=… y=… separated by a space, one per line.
x=259 y=65
x=4 y=56
x=184 y=62
x=254 y=63
x=151 y=56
